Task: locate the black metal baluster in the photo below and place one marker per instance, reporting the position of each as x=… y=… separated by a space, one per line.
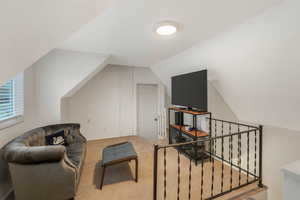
x=215 y=142
x=255 y=151
x=212 y=175
x=248 y=154
x=165 y=174
x=260 y=184
x=222 y=175
x=190 y=179
x=210 y=124
x=235 y=160
x=210 y=134
x=202 y=173
x=178 y=175
x=229 y=150
x=155 y=158
x=231 y=156
x=169 y=119
x=239 y=154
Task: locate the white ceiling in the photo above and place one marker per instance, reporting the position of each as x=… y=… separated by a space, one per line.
x=31 y=28
x=249 y=46
x=125 y=29
x=255 y=66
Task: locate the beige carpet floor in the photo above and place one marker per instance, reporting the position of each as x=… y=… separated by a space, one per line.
x=119 y=181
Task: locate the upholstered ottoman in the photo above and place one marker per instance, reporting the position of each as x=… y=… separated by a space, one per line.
x=118 y=153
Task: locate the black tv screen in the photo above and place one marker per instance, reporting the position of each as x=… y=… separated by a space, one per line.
x=190 y=90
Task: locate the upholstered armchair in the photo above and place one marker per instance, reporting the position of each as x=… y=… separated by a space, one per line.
x=46 y=172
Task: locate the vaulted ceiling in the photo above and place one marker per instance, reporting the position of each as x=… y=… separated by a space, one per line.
x=126 y=28
x=30 y=29
x=254 y=66
x=250 y=47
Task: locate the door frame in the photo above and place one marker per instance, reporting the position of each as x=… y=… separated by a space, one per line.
x=137 y=104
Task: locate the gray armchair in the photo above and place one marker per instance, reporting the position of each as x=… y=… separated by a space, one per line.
x=41 y=172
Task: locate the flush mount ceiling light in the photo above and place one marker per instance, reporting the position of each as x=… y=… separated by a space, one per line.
x=166 y=28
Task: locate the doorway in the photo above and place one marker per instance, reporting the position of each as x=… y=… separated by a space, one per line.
x=147 y=111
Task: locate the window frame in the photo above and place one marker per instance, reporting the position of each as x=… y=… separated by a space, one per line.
x=18 y=117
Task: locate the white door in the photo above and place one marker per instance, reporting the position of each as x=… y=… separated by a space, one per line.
x=147 y=122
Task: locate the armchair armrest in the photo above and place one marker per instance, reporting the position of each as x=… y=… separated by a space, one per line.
x=83 y=139
x=77 y=136
x=59 y=180
x=34 y=154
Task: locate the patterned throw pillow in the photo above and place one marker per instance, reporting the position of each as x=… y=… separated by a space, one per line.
x=57 y=138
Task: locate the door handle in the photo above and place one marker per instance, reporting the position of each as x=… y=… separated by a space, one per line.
x=155 y=119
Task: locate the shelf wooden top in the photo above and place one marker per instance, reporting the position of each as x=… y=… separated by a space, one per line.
x=192 y=112
x=195 y=133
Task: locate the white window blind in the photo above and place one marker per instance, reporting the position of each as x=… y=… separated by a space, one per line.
x=12 y=99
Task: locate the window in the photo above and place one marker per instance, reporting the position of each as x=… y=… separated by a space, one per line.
x=11 y=100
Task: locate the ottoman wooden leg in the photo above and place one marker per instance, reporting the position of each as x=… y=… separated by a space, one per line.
x=136 y=170
x=102 y=178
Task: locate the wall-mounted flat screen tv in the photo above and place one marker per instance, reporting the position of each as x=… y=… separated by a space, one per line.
x=190 y=90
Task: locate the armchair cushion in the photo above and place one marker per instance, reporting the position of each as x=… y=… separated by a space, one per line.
x=35 y=154
x=75 y=153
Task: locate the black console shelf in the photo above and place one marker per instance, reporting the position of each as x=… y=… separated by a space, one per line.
x=178 y=134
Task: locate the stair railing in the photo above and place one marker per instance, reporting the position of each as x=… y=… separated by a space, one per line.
x=234 y=148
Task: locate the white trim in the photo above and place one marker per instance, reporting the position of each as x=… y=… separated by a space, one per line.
x=12 y=113
x=11 y=122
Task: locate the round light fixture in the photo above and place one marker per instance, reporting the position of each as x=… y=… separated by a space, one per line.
x=166 y=28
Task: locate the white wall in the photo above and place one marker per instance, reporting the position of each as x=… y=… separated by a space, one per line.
x=106 y=105
x=45 y=84
x=281 y=147
x=9 y=133
x=30 y=29
x=217 y=106
x=58 y=74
